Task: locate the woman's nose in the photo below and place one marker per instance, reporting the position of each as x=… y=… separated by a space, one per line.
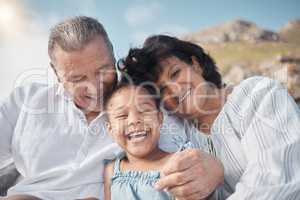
x=172 y=88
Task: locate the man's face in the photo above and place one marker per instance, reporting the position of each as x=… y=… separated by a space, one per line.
x=88 y=74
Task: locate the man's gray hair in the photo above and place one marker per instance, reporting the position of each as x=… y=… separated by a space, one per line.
x=74 y=33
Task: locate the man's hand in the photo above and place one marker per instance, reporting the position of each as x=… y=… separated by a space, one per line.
x=191 y=175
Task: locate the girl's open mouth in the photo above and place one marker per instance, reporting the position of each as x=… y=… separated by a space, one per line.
x=137 y=136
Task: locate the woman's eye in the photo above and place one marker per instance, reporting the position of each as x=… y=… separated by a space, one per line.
x=162 y=89
x=175 y=74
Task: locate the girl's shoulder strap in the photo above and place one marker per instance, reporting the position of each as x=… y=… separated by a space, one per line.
x=117 y=168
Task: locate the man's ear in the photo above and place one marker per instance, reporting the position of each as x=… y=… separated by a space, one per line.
x=53 y=67
x=108 y=127
x=196 y=66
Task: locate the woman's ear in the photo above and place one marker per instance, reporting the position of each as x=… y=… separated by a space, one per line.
x=195 y=64
x=53 y=67
x=160 y=118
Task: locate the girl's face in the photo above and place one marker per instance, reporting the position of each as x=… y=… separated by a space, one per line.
x=134 y=121
x=183 y=89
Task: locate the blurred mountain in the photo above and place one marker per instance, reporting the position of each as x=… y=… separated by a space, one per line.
x=291 y=32
x=235 y=31
x=242 y=49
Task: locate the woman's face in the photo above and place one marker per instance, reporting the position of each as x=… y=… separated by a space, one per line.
x=183 y=89
x=134 y=121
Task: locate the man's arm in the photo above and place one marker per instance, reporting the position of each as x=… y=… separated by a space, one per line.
x=108 y=173
x=8 y=177
x=9 y=111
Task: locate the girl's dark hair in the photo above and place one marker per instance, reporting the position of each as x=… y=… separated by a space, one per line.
x=143 y=64
x=124 y=84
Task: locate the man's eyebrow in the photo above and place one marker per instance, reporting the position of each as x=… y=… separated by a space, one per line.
x=105 y=65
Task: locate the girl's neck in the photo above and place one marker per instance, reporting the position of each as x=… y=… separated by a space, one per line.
x=155 y=155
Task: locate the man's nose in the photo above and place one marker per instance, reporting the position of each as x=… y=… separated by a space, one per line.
x=93 y=86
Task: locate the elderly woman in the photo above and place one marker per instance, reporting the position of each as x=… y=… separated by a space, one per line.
x=252 y=128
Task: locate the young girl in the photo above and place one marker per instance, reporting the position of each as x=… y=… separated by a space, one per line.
x=134 y=123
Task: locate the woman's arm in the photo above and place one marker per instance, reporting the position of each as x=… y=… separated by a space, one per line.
x=108 y=173
x=271 y=146
x=191 y=174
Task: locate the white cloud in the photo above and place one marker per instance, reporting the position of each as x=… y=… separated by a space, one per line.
x=139 y=36
x=141 y=14
x=23 y=51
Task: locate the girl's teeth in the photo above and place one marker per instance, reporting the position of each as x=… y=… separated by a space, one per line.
x=137 y=135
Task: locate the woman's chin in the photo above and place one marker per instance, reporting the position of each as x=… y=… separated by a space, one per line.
x=186 y=114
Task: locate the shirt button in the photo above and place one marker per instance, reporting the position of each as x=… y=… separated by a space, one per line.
x=94 y=130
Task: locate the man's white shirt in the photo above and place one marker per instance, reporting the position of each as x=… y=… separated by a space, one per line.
x=59 y=155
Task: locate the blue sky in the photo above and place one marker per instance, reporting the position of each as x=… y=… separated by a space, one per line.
x=24 y=26
x=128 y=21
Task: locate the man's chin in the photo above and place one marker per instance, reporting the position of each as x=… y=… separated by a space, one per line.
x=86 y=108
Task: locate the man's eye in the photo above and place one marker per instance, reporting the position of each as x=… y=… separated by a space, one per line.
x=76 y=80
x=105 y=69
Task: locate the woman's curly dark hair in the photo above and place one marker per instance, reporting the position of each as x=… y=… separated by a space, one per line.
x=143 y=64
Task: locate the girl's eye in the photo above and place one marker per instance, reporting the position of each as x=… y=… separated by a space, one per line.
x=147 y=111
x=121 y=117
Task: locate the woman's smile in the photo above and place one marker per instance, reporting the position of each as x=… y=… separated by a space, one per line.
x=185 y=95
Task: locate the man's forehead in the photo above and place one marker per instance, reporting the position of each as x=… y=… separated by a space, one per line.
x=72 y=63
x=94 y=48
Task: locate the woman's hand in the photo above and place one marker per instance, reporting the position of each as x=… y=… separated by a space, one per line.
x=191 y=175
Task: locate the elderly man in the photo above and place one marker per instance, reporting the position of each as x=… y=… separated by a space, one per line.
x=56 y=136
